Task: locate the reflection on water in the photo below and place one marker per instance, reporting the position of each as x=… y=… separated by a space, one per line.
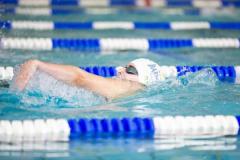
x=46 y=149
x=107 y=146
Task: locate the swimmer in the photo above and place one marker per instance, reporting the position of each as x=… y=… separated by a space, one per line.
x=134 y=77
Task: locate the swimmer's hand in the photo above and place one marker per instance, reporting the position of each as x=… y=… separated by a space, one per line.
x=27 y=69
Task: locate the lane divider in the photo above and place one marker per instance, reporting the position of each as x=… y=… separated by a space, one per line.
x=224 y=73
x=178 y=126
x=47 y=11
x=143 y=3
x=103 y=25
x=115 y=44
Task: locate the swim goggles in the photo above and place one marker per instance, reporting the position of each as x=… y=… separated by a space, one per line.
x=131 y=70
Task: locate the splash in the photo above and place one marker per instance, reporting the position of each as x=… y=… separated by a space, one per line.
x=43 y=89
x=205 y=77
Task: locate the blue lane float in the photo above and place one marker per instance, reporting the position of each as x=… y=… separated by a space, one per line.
x=67 y=130
x=106 y=3
x=116 y=44
x=224 y=73
x=101 y=25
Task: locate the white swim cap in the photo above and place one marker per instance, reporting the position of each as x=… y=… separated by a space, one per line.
x=148 y=71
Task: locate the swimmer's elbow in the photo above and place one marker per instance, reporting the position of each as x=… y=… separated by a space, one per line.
x=32 y=63
x=79 y=79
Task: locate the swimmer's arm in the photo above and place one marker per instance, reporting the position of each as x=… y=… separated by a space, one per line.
x=107 y=87
x=61 y=72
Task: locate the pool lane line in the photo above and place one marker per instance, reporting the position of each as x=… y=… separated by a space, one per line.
x=115 y=44
x=130 y=3
x=136 y=127
x=47 y=11
x=125 y=25
x=224 y=73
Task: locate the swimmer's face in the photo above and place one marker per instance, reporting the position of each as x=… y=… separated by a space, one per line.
x=128 y=73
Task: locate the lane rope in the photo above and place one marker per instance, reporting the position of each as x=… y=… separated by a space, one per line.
x=116 y=44
x=103 y=25
x=47 y=11
x=62 y=129
x=142 y=3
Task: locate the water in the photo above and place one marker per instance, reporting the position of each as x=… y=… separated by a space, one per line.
x=194 y=94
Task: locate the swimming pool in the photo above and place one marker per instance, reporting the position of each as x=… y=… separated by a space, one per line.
x=200 y=93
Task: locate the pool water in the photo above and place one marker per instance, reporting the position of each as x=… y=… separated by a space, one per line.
x=200 y=93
